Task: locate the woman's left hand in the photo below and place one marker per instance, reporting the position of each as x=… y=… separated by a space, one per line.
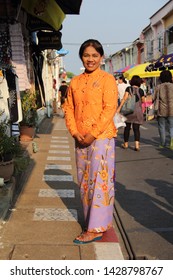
x=88 y=139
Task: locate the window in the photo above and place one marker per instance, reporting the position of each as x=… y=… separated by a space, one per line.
x=150 y=48
x=160 y=44
x=170 y=35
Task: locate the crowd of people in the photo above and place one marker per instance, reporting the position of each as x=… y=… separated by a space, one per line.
x=91 y=102
x=162 y=99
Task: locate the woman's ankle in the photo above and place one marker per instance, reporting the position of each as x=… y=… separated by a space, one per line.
x=126 y=144
x=137 y=144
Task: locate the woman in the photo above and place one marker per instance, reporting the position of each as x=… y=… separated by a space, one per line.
x=164 y=93
x=89 y=110
x=135 y=119
x=122 y=85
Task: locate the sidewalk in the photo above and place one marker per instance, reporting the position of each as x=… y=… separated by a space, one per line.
x=47 y=215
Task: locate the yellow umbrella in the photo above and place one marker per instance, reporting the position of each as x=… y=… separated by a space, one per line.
x=140 y=71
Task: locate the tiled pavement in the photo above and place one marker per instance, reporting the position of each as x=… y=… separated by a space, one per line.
x=47 y=215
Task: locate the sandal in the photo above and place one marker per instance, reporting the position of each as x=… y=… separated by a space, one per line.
x=123 y=146
x=87 y=237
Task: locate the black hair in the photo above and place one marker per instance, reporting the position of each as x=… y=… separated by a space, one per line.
x=135 y=81
x=91 y=42
x=123 y=79
x=166 y=76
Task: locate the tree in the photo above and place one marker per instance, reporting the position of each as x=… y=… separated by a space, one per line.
x=70 y=75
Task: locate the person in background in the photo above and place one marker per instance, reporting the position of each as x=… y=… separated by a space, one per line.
x=89 y=110
x=164 y=92
x=136 y=118
x=144 y=87
x=63 y=92
x=151 y=87
x=122 y=85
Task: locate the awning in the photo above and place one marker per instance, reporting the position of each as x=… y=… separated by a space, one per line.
x=124 y=69
x=62 y=52
x=47 y=11
x=52 y=12
x=140 y=70
x=70 y=7
x=165 y=61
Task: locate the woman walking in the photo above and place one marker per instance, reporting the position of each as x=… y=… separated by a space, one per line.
x=89 y=110
x=135 y=119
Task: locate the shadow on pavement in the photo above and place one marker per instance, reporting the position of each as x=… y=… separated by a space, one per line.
x=70 y=201
x=151 y=212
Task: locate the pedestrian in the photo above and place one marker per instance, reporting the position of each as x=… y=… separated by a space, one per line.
x=63 y=92
x=122 y=85
x=134 y=119
x=144 y=87
x=89 y=110
x=164 y=94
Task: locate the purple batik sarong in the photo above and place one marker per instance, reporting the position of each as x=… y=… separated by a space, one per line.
x=96 y=178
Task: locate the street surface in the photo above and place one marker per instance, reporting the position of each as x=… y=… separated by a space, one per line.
x=144 y=197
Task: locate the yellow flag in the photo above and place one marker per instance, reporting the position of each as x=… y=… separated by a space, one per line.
x=46 y=10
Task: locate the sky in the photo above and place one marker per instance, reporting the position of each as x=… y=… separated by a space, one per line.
x=116 y=24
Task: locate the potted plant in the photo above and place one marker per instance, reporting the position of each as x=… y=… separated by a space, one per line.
x=29 y=111
x=9 y=148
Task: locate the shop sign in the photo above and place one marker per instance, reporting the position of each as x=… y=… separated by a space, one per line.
x=49 y=40
x=35 y=24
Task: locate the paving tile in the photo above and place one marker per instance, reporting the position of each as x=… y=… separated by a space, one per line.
x=108 y=251
x=59 y=158
x=55 y=214
x=58 y=166
x=87 y=252
x=59 y=141
x=59 y=137
x=22 y=229
x=60 y=146
x=57 y=178
x=59 y=152
x=46 y=252
x=56 y=193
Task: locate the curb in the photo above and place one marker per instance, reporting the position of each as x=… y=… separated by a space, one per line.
x=7 y=193
x=10 y=189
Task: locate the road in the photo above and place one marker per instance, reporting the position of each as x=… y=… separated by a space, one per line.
x=144 y=196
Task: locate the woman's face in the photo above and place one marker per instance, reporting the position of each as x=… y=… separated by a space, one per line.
x=91 y=59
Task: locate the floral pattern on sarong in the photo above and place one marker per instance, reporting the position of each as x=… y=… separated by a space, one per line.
x=96 y=178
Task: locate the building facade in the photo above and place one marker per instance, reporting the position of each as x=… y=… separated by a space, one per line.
x=25 y=59
x=155 y=40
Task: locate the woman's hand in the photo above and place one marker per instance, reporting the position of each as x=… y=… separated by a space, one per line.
x=84 y=141
x=79 y=137
x=88 y=139
x=126 y=94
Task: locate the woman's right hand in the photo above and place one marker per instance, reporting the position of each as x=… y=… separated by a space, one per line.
x=79 y=137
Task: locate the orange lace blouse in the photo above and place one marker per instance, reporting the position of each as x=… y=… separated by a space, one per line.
x=91 y=104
